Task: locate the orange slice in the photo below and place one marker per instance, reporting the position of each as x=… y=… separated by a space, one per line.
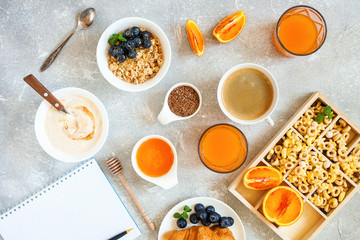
x=195 y=38
x=260 y=178
x=283 y=206
x=230 y=27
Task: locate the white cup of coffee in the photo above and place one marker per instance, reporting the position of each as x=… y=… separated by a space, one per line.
x=248 y=94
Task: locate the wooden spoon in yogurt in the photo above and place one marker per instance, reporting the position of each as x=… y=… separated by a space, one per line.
x=44 y=92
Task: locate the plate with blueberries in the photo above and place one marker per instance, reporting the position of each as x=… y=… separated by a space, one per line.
x=201 y=211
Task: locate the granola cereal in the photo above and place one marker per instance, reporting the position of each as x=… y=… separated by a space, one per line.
x=142 y=68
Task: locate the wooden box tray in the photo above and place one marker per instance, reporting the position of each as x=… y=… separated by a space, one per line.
x=332 y=146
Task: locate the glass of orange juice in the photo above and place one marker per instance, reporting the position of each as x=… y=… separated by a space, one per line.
x=300 y=31
x=223 y=148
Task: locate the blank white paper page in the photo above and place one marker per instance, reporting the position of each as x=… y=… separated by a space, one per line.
x=81 y=205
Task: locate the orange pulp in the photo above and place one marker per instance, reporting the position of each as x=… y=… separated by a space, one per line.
x=230 y=27
x=223 y=148
x=298 y=33
x=262 y=177
x=283 y=206
x=155 y=157
x=195 y=38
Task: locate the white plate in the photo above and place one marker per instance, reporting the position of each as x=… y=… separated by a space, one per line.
x=169 y=222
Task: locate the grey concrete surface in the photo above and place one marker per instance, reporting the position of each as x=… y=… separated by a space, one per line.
x=30 y=30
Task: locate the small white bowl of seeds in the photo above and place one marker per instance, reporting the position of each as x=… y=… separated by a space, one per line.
x=133 y=54
x=182 y=101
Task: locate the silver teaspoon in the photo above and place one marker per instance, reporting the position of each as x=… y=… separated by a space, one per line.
x=85 y=20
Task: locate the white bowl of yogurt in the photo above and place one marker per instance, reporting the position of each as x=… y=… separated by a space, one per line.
x=76 y=136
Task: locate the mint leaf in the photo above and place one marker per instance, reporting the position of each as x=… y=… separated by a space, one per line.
x=112 y=41
x=319 y=118
x=187 y=209
x=327 y=110
x=177 y=215
x=184 y=215
x=330 y=116
x=121 y=38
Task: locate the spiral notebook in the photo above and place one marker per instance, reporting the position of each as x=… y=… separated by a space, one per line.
x=80 y=205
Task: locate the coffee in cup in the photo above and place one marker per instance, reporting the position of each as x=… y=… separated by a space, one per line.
x=248 y=93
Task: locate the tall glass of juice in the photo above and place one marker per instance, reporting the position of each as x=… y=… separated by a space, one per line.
x=300 y=31
x=223 y=148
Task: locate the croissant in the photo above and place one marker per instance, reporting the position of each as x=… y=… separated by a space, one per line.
x=201 y=233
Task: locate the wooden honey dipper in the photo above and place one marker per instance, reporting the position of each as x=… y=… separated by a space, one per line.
x=115 y=167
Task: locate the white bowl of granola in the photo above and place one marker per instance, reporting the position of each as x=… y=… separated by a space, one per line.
x=146 y=69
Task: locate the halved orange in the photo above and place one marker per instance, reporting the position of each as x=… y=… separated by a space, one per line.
x=195 y=38
x=230 y=27
x=260 y=178
x=283 y=206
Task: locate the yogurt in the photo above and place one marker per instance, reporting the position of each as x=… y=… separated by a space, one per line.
x=77 y=132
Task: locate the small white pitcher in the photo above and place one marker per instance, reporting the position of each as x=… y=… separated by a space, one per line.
x=166 y=115
x=166 y=181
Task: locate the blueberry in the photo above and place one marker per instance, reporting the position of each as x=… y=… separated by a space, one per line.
x=128 y=33
x=122 y=45
x=201 y=214
x=136 y=31
x=121 y=58
x=224 y=222
x=217 y=215
x=129 y=45
x=210 y=209
x=145 y=35
x=132 y=43
x=193 y=218
x=213 y=217
x=231 y=221
x=181 y=223
x=146 y=43
x=138 y=42
x=116 y=51
x=206 y=222
x=131 y=54
x=111 y=51
x=198 y=207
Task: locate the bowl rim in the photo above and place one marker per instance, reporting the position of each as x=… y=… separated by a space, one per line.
x=134 y=161
x=40 y=131
x=221 y=124
x=166 y=101
x=261 y=69
x=119 y=83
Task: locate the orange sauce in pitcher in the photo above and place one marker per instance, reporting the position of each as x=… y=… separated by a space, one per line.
x=155 y=157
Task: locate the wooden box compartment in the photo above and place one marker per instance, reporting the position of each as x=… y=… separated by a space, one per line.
x=308 y=223
x=296 y=150
x=353 y=133
x=253 y=197
x=350 y=189
x=352 y=167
